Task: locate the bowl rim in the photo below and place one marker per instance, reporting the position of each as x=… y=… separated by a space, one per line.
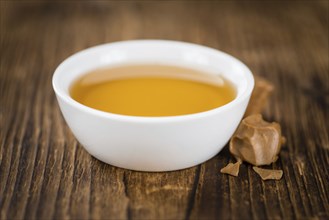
x=63 y=95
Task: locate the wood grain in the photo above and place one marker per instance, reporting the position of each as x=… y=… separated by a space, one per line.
x=46 y=174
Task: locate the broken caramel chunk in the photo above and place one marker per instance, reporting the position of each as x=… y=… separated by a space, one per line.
x=266 y=174
x=256 y=141
x=232 y=168
x=259 y=96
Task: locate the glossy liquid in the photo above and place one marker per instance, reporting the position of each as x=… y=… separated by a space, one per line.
x=152 y=90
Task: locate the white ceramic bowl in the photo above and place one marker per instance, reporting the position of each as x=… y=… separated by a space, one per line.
x=153 y=143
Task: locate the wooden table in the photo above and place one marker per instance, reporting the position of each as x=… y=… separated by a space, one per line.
x=46 y=174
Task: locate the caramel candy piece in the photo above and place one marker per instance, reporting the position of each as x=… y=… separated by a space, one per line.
x=232 y=168
x=259 y=96
x=256 y=141
x=268 y=174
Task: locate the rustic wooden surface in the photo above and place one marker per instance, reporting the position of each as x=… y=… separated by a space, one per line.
x=46 y=174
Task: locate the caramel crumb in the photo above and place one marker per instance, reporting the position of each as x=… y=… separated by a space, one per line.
x=266 y=174
x=256 y=141
x=262 y=91
x=232 y=168
x=283 y=140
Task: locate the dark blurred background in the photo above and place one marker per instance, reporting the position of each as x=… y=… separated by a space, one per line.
x=285 y=34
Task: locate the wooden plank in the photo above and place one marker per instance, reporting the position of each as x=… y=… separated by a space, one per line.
x=144 y=189
x=46 y=174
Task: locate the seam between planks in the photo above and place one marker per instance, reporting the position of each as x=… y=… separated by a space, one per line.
x=11 y=160
x=125 y=183
x=289 y=196
x=250 y=196
x=191 y=197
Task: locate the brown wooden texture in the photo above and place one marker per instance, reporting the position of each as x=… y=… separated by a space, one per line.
x=46 y=174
